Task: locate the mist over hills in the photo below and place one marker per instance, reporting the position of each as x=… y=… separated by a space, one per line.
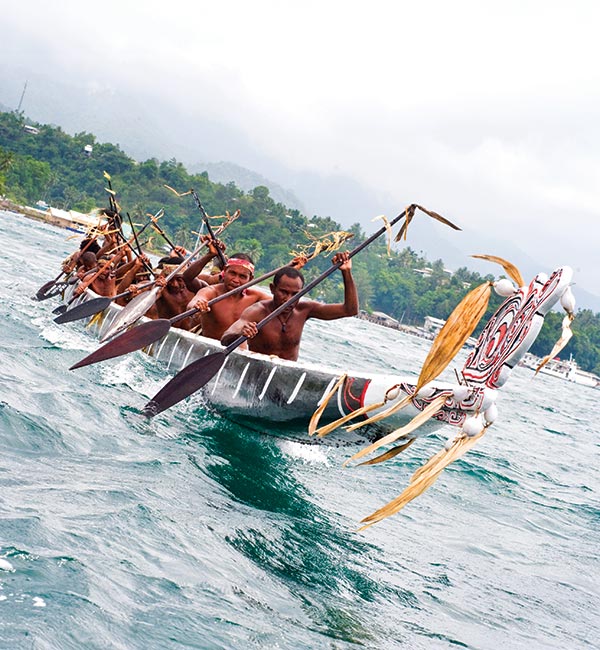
x=147 y=127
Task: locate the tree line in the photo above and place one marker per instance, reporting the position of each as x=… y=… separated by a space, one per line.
x=60 y=169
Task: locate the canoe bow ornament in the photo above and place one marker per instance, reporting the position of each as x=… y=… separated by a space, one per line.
x=503 y=342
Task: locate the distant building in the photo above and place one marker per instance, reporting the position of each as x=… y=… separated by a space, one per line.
x=88 y=149
x=30 y=129
x=433 y=325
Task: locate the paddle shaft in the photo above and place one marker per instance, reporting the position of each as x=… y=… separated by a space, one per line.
x=209 y=229
x=137 y=242
x=162 y=233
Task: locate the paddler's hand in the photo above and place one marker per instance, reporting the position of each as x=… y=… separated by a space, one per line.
x=79 y=289
x=299 y=261
x=161 y=281
x=344 y=259
x=214 y=245
x=250 y=330
x=199 y=303
x=180 y=251
x=143 y=260
x=68 y=265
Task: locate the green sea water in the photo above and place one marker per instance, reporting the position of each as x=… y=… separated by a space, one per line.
x=192 y=532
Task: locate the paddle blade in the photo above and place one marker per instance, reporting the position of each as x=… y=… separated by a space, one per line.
x=134 y=310
x=85 y=309
x=50 y=289
x=61 y=309
x=41 y=292
x=129 y=341
x=186 y=382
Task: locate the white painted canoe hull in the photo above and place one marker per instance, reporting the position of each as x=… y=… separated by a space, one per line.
x=265 y=392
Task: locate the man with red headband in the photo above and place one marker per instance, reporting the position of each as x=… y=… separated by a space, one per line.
x=281 y=336
x=216 y=319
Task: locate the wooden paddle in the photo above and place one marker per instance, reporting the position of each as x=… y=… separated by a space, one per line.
x=198 y=373
x=43 y=293
x=222 y=260
x=205 y=218
x=160 y=231
x=143 y=335
x=137 y=307
x=95 y=305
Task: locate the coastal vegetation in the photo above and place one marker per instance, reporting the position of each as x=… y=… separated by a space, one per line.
x=43 y=163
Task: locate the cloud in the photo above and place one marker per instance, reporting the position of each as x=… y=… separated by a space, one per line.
x=487 y=111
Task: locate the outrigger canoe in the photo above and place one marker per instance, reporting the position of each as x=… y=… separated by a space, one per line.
x=257 y=390
x=253 y=388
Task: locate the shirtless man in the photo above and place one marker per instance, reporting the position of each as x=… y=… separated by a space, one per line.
x=87 y=262
x=173 y=300
x=281 y=336
x=216 y=319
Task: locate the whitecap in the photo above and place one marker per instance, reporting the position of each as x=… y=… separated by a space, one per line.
x=5 y=565
x=313 y=454
x=38 y=602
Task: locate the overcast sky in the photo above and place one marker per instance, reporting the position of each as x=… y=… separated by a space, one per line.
x=484 y=111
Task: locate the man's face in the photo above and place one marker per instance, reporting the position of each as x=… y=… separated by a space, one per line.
x=108 y=273
x=176 y=285
x=235 y=276
x=286 y=288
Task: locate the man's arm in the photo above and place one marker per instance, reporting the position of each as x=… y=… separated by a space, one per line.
x=350 y=305
x=195 y=268
x=129 y=276
x=200 y=300
x=245 y=325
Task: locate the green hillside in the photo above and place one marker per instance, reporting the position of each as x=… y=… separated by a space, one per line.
x=52 y=166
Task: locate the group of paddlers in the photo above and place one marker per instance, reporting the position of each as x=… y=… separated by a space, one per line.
x=111 y=267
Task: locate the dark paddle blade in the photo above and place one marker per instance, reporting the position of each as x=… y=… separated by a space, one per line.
x=129 y=341
x=61 y=309
x=50 y=290
x=85 y=309
x=185 y=382
x=41 y=292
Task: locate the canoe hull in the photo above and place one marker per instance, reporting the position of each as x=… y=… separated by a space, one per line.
x=262 y=391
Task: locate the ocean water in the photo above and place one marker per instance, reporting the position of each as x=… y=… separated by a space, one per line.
x=192 y=532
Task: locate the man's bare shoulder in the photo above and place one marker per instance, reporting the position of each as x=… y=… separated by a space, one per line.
x=258 y=293
x=257 y=310
x=211 y=291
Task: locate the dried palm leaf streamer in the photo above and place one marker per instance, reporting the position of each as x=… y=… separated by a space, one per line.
x=423 y=479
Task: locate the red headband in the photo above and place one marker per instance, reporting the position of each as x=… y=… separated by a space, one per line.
x=236 y=261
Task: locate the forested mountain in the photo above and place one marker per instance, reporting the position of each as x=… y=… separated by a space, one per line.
x=55 y=167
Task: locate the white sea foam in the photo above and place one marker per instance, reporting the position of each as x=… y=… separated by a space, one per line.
x=5 y=565
x=312 y=454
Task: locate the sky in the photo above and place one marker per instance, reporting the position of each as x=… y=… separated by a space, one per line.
x=486 y=112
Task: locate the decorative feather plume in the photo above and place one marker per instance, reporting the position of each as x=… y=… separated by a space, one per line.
x=560 y=344
x=423 y=478
x=388 y=229
x=394 y=451
x=404 y=431
x=328 y=428
x=456 y=330
x=511 y=270
x=314 y=420
x=410 y=213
